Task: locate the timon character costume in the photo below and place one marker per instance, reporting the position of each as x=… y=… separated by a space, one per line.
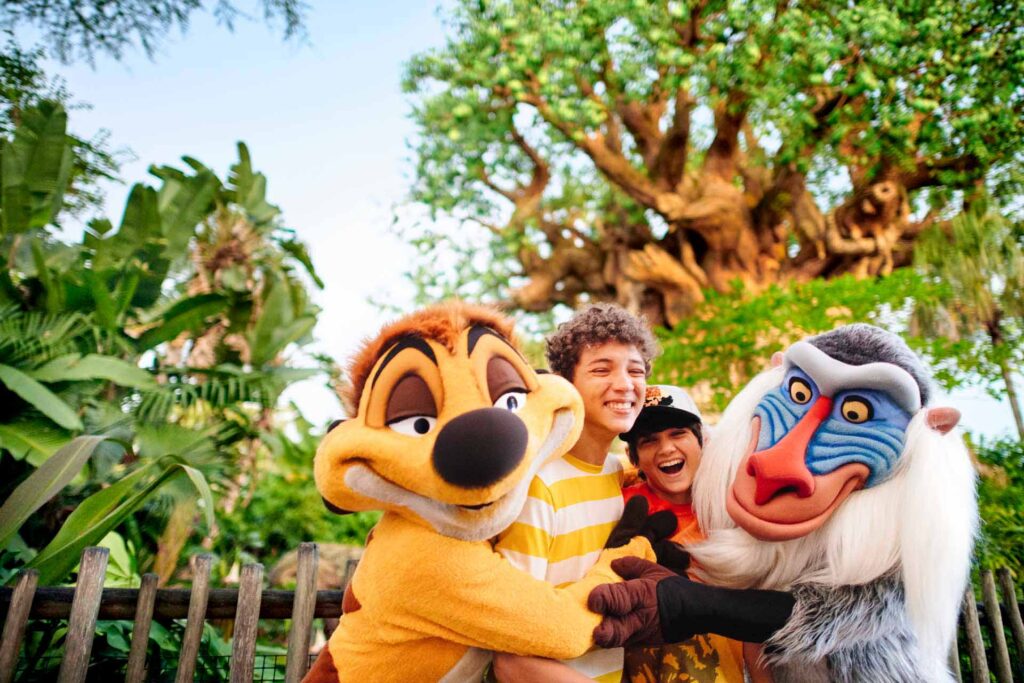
x=833 y=483
x=450 y=426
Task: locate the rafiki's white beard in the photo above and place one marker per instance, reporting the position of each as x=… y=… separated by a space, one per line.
x=921 y=521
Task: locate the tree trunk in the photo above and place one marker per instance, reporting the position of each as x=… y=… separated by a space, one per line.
x=716 y=239
x=1011 y=396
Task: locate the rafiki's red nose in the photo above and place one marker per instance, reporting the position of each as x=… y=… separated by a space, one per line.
x=781 y=468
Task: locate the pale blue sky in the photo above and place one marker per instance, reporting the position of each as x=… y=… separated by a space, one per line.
x=328 y=124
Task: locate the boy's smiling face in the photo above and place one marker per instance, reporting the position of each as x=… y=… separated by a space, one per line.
x=612 y=379
x=669 y=459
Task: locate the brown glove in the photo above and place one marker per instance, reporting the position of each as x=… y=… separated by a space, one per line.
x=655 y=606
x=630 y=608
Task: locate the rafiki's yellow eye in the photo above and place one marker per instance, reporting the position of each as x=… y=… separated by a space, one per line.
x=799 y=391
x=856 y=409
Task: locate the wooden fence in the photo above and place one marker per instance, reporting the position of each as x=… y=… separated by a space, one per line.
x=982 y=630
x=88 y=601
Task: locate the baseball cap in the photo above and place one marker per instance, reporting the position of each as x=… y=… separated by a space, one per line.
x=665 y=406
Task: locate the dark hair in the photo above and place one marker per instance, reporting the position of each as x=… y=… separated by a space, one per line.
x=695 y=426
x=595 y=325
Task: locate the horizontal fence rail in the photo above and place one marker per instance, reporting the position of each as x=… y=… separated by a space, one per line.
x=172 y=603
x=990 y=635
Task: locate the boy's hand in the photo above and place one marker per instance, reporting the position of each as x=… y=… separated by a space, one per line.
x=630 y=608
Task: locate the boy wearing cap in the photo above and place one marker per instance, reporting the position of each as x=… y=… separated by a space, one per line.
x=665 y=443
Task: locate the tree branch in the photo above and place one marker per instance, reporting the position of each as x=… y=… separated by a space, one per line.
x=485 y=178
x=926 y=172
x=722 y=155
x=670 y=162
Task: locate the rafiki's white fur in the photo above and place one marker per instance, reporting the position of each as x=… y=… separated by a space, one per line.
x=921 y=520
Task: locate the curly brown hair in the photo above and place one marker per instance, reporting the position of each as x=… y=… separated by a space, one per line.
x=594 y=325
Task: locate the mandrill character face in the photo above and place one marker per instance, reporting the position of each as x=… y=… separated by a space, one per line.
x=452 y=424
x=829 y=429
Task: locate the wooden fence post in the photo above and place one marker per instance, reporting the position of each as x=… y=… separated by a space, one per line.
x=1013 y=613
x=196 y=619
x=84 y=608
x=1001 y=655
x=975 y=645
x=14 y=626
x=140 y=631
x=954 y=658
x=302 y=614
x=247 y=616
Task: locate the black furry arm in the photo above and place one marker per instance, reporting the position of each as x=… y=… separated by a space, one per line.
x=686 y=608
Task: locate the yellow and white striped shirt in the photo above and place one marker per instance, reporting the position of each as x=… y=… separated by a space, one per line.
x=570 y=511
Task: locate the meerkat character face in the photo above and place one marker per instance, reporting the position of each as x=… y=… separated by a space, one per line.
x=452 y=424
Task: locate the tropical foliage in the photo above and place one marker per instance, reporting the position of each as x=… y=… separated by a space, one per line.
x=1000 y=494
x=170 y=335
x=977 y=265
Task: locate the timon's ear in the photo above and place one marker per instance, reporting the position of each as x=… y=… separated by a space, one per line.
x=943 y=419
x=777 y=359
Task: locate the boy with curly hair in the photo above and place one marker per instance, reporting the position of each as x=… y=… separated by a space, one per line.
x=575 y=501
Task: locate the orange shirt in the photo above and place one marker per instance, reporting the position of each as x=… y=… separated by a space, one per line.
x=705 y=657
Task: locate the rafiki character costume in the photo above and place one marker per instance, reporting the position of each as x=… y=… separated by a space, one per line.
x=832 y=478
x=451 y=426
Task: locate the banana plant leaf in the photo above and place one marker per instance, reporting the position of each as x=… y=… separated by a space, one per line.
x=106 y=509
x=44 y=483
x=73 y=367
x=34 y=169
x=188 y=314
x=277 y=326
x=33 y=439
x=44 y=400
x=249 y=190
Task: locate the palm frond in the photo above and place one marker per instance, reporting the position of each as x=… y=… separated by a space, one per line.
x=34 y=337
x=220 y=388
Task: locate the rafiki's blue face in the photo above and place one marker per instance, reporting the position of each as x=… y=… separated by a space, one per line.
x=829 y=429
x=864 y=426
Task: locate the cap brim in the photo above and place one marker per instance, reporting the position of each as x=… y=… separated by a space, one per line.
x=657 y=418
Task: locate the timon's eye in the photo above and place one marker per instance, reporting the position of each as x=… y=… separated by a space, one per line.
x=512 y=400
x=417 y=425
x=799 y=391
x=507 y=389
x=856 y=409
x=411 y=409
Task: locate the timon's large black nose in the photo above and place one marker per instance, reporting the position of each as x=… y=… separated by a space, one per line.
x=480 y=447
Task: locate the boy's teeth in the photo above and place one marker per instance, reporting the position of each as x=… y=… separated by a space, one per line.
x=671 y=466
x=620 y=405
